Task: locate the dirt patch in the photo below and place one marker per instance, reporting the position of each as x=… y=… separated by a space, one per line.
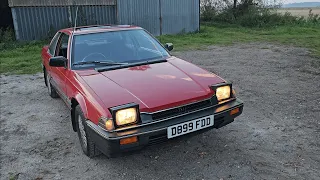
x=277 y=137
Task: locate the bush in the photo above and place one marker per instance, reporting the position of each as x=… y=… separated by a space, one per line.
x=7 y=35
x=249 y=14
x=314 y=18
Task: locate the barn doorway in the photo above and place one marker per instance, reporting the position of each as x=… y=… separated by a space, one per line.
x=5 y=14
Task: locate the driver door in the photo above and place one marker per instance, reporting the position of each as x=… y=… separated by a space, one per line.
x=58 y=74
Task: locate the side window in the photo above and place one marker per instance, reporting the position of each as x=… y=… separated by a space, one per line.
x=62 y=47
x=53 y=44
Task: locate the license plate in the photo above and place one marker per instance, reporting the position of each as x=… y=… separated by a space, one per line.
x=190 y=126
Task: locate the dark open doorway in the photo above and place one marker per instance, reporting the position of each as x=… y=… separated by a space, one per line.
x=5 y=15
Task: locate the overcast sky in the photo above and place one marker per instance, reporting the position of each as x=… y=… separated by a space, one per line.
x=298 y=1
x=272 y=2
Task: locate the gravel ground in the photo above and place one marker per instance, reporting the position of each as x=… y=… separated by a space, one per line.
x=276 y=137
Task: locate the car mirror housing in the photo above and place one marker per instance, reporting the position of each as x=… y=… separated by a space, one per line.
x=58 y=61
x=169 y=46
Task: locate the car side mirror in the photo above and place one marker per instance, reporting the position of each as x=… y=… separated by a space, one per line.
x=58 y=61
x=169 y=46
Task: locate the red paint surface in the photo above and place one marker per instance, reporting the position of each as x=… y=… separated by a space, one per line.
x=154 y=87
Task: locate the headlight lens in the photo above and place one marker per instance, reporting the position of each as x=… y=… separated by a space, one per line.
x=126 y=116
x=223 y=92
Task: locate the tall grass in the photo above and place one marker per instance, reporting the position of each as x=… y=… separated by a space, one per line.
x=6 y=37
x=249 y=14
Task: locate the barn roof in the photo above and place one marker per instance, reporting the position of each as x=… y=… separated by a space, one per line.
x=25 y=3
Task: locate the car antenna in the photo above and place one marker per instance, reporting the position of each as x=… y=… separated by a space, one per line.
x=74 y=29
x=75 y=20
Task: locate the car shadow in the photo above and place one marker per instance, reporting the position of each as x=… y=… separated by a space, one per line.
x=181 y=157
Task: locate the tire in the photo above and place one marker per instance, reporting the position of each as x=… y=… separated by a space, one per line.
x=51 y=91
x=87 y=145
x=45 y=77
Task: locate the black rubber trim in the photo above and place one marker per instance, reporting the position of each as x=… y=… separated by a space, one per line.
x=220 y=111
x=110 y=145
x=147 y=118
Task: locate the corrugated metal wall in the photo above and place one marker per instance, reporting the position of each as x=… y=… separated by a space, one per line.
x=143 y=13
x=36 y=22
x=91 y=15
x=157 y=16
x=32 y=23
x=179 y=16
x=28 y=3
x=160 y=16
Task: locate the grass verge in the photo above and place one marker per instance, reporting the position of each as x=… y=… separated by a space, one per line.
x=301 y=36
x=26 y=58
x=21 y=58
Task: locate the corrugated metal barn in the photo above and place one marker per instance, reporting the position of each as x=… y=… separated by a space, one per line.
x=38 y=19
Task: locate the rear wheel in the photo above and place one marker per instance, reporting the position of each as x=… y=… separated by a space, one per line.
x=87 y=145
x=51 y=91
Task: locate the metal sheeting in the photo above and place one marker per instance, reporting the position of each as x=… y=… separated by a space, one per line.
x=32 y=23
x=179 y=16
x=92 y=15
x=157 y=16
x=143 y=13
x=27 y=3
x=160 y=16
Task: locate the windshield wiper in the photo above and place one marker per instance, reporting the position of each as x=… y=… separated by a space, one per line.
x=101 y=69
x=99 y=62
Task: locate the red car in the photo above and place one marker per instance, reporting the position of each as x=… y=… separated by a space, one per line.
x=125 y=91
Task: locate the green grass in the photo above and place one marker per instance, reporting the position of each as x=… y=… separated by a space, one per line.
x=21 y=58
x=26 y=58
x=300 y=36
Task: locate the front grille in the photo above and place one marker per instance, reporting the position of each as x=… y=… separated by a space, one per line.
x=157 y=139
x=181 y=110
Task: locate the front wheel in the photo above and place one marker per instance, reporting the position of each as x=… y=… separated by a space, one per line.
x=87 y=145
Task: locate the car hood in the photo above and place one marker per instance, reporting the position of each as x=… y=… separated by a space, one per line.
x=153 y=87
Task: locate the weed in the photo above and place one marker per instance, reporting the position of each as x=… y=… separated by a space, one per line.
x=6 y=35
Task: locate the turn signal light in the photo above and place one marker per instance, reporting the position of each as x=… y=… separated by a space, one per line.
x=129 y=140
x=234 y=111
x=234 y=92
x=109 y=124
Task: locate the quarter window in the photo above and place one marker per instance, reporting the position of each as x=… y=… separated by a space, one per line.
x=62 y=46
x=53 y=44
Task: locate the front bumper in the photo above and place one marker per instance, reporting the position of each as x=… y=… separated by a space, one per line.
x=154 y=133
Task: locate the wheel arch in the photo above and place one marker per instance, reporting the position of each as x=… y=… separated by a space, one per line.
x=75 y=101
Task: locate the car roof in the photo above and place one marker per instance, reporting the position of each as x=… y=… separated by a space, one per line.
x=97 y=29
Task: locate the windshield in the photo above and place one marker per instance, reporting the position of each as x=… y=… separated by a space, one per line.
x=129 y=46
